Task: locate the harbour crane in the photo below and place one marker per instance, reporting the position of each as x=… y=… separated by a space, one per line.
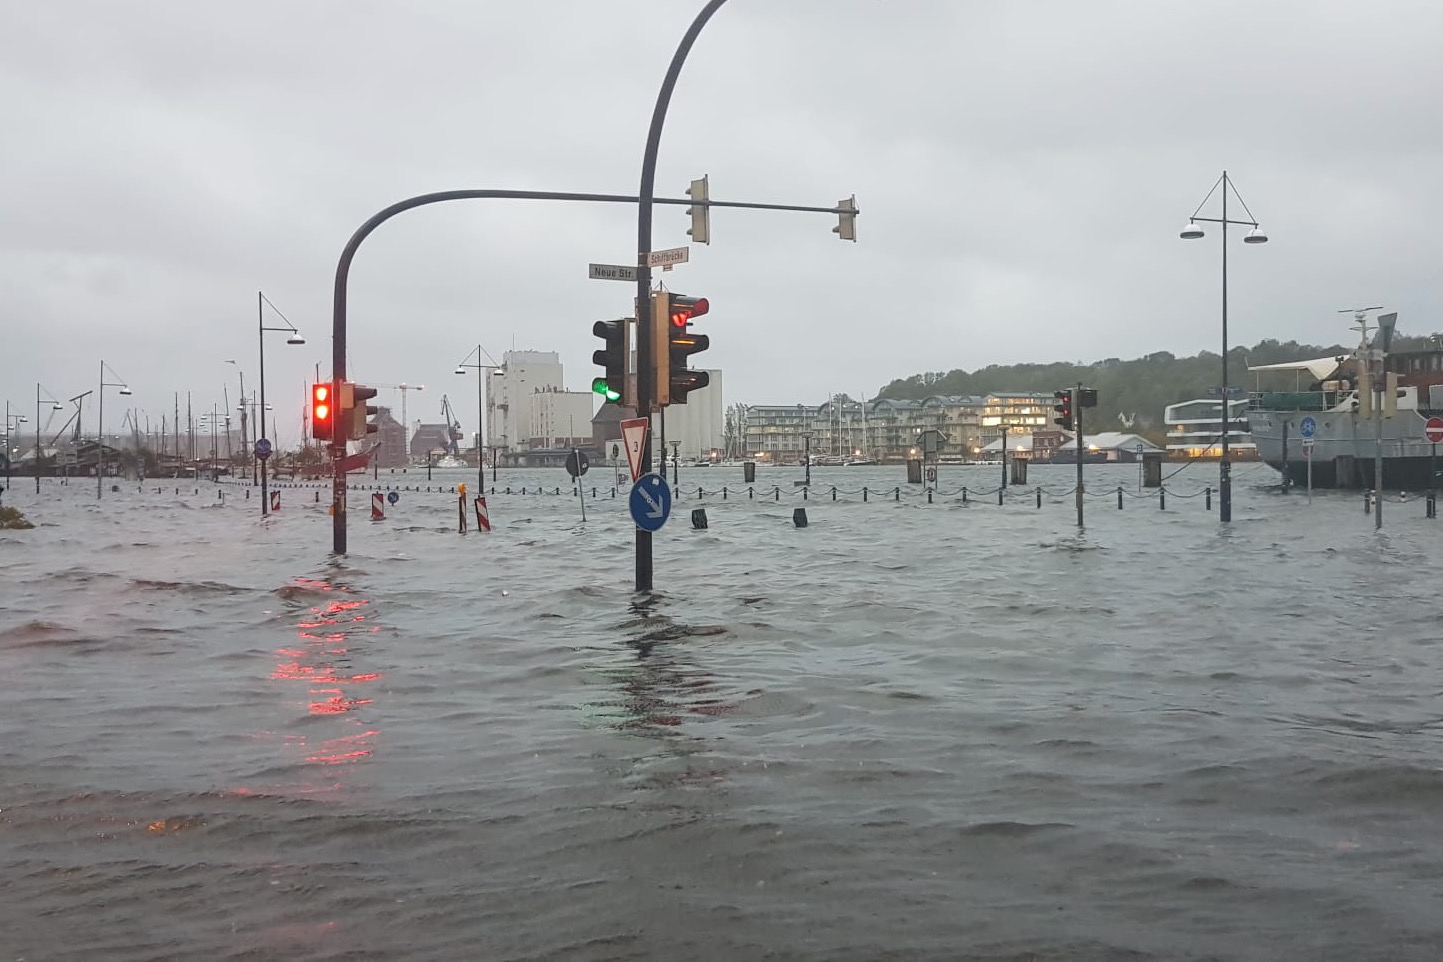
x=453 y=426
x=405 y=389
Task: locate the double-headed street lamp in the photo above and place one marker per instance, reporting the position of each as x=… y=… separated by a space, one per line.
x=57 y=407
x=1255 y=236
x=10 y=421
x=481 y=370
x=100 y=419
x=295 y=338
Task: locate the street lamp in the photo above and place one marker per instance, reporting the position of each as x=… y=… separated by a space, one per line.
x=1193 y=231
x=481 y=370
x=57 y=407
x=119 y=382
x=10 y=421
x=295 y=338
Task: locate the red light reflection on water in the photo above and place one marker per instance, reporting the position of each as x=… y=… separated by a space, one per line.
x=322 y=662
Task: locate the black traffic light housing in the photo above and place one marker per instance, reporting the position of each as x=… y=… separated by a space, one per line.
x=323 y=412
x=674 y=343
x=615 y=360
x=1063 y=407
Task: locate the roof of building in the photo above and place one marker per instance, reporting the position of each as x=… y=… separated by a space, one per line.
x=1112 y=441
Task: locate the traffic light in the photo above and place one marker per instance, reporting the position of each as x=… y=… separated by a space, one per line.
x=1063 y=407
x=323 y=412
x=674 y=343
x=700 y=229
x=615 y=359
x=846 y=228
x=361 y=412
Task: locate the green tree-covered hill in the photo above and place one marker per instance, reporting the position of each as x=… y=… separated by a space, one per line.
x=1131 y=392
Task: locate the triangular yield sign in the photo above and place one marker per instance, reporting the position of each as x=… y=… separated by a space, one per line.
x=633 y=435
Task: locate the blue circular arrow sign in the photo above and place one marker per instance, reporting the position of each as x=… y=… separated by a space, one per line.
x=1307 y=427
x=263 y=448
x=650 y=502
x=393 y=497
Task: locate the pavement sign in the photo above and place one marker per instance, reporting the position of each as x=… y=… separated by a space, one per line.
x=577 y=463
x=611 y=272
x=650 y=502
x=633 y=435
x=1307 y=427
x=263 y=448
x=1433 y=430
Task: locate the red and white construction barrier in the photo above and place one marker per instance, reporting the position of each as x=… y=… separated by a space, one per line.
x=483 y=520
x=378 y=507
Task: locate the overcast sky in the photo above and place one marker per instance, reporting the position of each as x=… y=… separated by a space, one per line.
x=1022 y=168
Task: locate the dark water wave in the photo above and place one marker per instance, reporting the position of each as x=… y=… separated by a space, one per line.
x=907 y=731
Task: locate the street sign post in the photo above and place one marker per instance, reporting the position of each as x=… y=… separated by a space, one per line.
x=633 y=435
x=611 y=272
x=1308 y=453
x=1433 y=431
x=650 y=502
x=668 y=258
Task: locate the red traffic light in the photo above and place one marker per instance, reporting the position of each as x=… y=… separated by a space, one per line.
x=683 y=309
x=321 y=401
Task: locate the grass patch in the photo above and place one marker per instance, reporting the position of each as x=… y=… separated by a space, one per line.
x=12 y=518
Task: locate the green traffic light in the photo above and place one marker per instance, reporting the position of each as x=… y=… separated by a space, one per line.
x=600 y=386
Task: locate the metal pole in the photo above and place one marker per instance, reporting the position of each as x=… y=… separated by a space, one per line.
x=481 y=421
x=1379 y=384
x=37 y=441
x=644 y=361
x=100 y=429
x=261 y=408
x=1432 y=479
x=7 y=441
x=1004 y=454
x=1077 y=414
x=1225 y=468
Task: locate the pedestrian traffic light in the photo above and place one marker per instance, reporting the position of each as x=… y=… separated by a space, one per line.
x=361 y=412
x=615 y=360
x=700 y=229
x=674 y=343
x=1063 y=407
x=323 y=412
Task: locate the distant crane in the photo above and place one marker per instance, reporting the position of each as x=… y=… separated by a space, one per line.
x=453 y=426
x=404 y=388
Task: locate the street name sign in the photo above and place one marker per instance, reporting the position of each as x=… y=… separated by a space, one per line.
x=611 y=272
x=1433 y=430
x=650 y=502
x=668 y=258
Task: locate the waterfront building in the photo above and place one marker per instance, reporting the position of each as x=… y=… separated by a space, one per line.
x=776 y=432
x=957 y=419
x=1107 y=446
x=1195 y=429
x=1016 y=411
x=895 y=423
x=429 y=439
x=389 y=440
x=510 y=394
x=559 y=419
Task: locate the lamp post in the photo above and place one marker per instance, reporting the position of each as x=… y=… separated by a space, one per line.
x=1255 y=236
x=100 y=419
x=481 y=370
x=57 y=407
x=10 y=421
x=245 y=427
x=295 y=338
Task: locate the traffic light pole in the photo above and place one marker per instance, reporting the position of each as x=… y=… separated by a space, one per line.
x=1077 y=413
x=645 y=363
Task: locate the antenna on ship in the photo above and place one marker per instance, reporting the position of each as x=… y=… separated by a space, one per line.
x=1360 y=319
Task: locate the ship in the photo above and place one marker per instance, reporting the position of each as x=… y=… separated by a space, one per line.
x=1328 y=418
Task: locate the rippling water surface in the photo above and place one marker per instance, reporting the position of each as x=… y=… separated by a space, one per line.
x=907 y=731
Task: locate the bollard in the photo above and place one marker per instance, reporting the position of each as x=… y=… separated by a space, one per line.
x=750 y=493
x=929 y=495
x=799 y=517
x=964 y=494
x=461 y=505
x=778 y=493
x=483 y=517
x=896 y=494
x=318 y=496
x=613 y=493
x=1208 y=498
x=1367 y=502
x=1161 y=498
x=1119 y=497
x=1000 y=492
x=1039 y=497
x=724 y=492
x=698 y=494
x=1432 y=505
x=248 y=493
x=834 y=492
x=864 y=495
x=523 y=490
x=698 y=518
x=593 y=494
x=805 y=492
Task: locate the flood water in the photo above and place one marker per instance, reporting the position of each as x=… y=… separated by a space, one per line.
x=906 y=731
